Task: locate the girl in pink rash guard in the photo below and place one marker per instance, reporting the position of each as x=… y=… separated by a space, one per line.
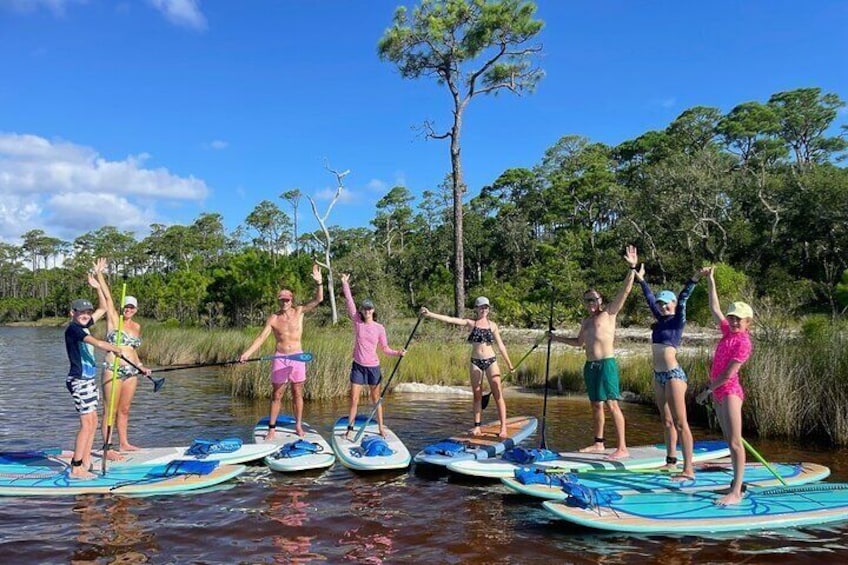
x=732 y=351
x=368 y=334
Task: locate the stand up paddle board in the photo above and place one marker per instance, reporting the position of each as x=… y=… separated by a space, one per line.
x=641 y=457
x=466 y=446
x=372 y=452
x=678 y=512
x=294 y=453
x=34 y=474
x=546 y=483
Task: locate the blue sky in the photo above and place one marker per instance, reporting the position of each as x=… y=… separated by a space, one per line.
x=129 y=113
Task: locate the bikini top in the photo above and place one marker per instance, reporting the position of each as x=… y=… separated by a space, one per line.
x=481 y=335
x=133 y=341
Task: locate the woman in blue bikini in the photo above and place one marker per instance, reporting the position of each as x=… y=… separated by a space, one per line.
x=670 y=381
x=484 y=334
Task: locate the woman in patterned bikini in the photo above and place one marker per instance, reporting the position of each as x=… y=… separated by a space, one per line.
x=127 y=376
x=484 y=334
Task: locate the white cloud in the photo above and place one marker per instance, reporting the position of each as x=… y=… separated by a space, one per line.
x=55 y=6
x=669 y=102
x=377 y=185
x=217 y=145
x=185 y=13
x=68 y=189
x=347 y=196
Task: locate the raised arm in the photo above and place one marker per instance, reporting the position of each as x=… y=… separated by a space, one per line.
x=715 y=306
x=351 y=305
x=617 y=303
x=104 y=294
x=447 y=319
x=319 y=289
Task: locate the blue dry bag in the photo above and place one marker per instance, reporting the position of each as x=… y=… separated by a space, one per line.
x=524 y=455
x=446 y=447
x=202 y=448
x=297 y=449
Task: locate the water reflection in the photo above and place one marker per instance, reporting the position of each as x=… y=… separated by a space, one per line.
x=109 y=527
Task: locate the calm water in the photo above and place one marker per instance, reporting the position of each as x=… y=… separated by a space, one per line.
x=335 y=516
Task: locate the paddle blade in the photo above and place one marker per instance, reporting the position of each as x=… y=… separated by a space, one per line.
x=158 y=384
x=485 y=401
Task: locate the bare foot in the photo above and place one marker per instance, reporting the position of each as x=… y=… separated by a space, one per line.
x=684 y=476
x=729 y=499
x=129 y=447
x=619 y=453
x=594 y=448
x=112 y=455
x=270 y=435
x=476 y=431
x=503 y=434
x=382 y=432
x=80 y=474
x=299 y=430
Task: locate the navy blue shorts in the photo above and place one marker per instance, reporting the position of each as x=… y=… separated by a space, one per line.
x=360 y=375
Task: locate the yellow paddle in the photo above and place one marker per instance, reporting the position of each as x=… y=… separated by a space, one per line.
x=110 y=414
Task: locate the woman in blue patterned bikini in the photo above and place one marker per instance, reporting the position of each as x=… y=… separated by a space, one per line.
x=127 y=378
x=670 y=381
x=484 y=333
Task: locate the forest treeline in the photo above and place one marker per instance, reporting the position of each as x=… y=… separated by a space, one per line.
x=760 y=190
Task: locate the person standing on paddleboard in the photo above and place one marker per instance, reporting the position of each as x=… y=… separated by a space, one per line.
x=670 y=380
x=368 y=334
x=484 y=333
x=600 y=372
x=82 y=380
x=732 y=351
x=124 y=383
x=287 y=325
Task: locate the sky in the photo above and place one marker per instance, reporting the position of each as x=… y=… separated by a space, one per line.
x=137 y=112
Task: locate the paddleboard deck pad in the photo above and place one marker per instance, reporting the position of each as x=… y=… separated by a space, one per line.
x=40 y=475
x=294 y=453
x=466 y=446
x=641 y=457
x=678 y=512
x=710 y=475
x=372 y=452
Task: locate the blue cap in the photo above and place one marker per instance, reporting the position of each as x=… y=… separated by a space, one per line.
x=666 y=296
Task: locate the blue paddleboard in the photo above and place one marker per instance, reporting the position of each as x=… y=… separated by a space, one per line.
x=468 y=447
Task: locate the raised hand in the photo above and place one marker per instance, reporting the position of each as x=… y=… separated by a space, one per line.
x=345 y=277
x=631 y=256
x=316 y=273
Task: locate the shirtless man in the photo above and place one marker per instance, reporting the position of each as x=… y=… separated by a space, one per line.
x=596 y=336
x=287 y=325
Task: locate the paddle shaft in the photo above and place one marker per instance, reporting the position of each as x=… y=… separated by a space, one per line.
x=485 y=400
x=762 y=460
x=543 y=442
x=110 y=415
x=388 y=382
x=157 y=383
x=302 y=357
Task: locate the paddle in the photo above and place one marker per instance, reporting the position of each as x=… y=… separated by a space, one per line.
x=157 y=383
x=110 y=415
x=385 y=388
x=515 y=368
x=543 y=443
x=302 y=357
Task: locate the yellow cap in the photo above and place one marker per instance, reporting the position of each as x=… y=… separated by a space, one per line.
x=740 y=310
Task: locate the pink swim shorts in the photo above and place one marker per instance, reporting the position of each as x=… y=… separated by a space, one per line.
x=287 y=371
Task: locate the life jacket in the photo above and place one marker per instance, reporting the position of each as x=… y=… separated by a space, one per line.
x=523 y=455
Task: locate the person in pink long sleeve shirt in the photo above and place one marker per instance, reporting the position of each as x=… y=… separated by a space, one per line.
x=368 y=335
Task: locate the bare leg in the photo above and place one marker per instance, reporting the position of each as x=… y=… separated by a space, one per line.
x=618 y=418
x=297 y=399
x=496 y=386
x=375 y=399
x=276 y=402
x=83 y=445
x=669 y=432
x=355 y=390
x=126 y=392
x=676 y=394
x=598 y=421
x=730 y=417
x=477 y=391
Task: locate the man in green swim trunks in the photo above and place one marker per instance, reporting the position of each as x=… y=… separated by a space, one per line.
x=596 y=337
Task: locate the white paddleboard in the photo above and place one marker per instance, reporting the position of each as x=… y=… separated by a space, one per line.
x=483 y=446
x=288 y=459
x=641 y=457
x=158 y=455
x=352 y=454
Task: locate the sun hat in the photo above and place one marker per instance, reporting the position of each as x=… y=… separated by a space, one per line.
x=481 y=301
x=666 y=296
x=740 y=310
x=81 y=305
x=130 y=301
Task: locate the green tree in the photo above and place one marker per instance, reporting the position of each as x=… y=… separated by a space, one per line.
x=472 y=47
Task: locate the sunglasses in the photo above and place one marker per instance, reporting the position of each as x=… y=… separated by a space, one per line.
x=591 y=300
x=129 y=307
x=284 y=299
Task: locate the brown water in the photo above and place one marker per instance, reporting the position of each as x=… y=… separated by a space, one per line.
x=335 y=516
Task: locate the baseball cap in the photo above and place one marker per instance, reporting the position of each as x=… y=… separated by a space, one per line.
x=286 y=294
x=481 y=301
x=130 y=301
x=740 y=310
x=666 y=296
x=81 y=305
x=367 y=304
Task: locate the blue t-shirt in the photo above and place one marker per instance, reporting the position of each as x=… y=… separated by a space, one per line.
x=80 y=353
x=668 y=330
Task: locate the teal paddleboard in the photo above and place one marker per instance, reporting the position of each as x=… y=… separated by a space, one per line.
x=710 y=475
x=488 y=444
x=36 y=475
x=680 y=512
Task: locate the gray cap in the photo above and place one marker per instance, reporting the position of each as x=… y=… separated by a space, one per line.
x=81 y=305
x=367 y=304
x=481 y=301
